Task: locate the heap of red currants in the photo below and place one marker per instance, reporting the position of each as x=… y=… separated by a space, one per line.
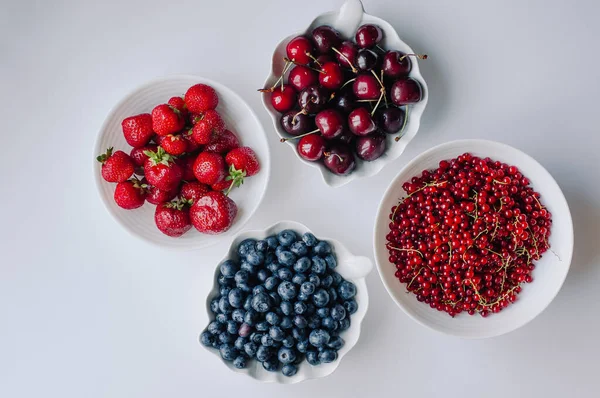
x=467 y=234
x=341 y=97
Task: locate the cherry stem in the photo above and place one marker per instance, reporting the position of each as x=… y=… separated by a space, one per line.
x=403 y=126
x=418 y=56
x=270 y=90
x=346 y=59
x=333 y=154
x=377 y=104
x=309 y=55
x=299 y=136
x=309 y=67
x=348 y=82
x=302 y=112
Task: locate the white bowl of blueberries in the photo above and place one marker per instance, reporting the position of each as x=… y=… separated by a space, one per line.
x=286 y=306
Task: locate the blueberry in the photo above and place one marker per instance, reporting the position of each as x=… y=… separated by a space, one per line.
x=309 y=239
x=267 y=340
x=310 y=309
x=319 y=337
x=289 y=370
x=263 y=353
x=216 y=343
x=299 y=279
x=299 y=248
x=351 y=306
x=272 y=365
x=215 y=328
x=279 y=249
x=255 y=258
x=250 y=348
x=323 y=312
x=307 y=288
x=314 y=278
x=300 y=321
x=302 y=264
x=226 y=338
x=272 y=282
x=224 y=290
x=228 y=268
x=314 y=321
x=322 y=248
x=239 y=362
x=331 y=261
x=223 y=281
x=286 y=323
x=300 y=307
x=336 y=343
x=318 y=265
x=270 y=257
x=344 y=324
x=262 y=275
x=248 y=303
x=249 y=268
x=238 y=315
x=302 y=297
x=286 y=307
x=261 y=302
x=320 y=298
x=241 y=277
x=275 y=299
x=299 y=334
x=262 y=326
x=222 y=318
x=272 y=242
x=246 y=246
x=312 y=357
x=288 y=341
x=214 y=306
x=347 y=290
x=232 y=327
x=276 y=333
x=239 y=343
x=236 y=298
x=337 y=278
x=338 y=312
x=227 y=352
x=261 y=246
x=285 y=274
x=245 y=330
x=255 y=337
x=274 y=266
x=258 y=289
x=286 y=355
x=287 y=290
x=327 y=281
x=302 y=346
x=333 y=296
x=329 y=323
x=286 y=237
x=327 y=356
x=206 y=338
x=286 y=258
x=273 y=318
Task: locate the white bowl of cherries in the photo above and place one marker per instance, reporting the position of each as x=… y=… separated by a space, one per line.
x=346 y=94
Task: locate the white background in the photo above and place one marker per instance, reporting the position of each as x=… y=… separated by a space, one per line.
x=86 y=310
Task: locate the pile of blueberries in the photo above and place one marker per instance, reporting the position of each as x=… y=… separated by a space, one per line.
x=281 y=303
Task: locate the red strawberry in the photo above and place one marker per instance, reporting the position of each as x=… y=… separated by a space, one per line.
x=157 y=196
x=192 y=145
x=187 y=166
x=130 y=194
x=200 y=98
x=138 y=155
x=173 y=218
x=138 y=129
x=179 y=104
x=161 y=170
x=174 y=144
x=224 y=143
x=213 y=213
x=222 y=185
x=234 y=179
x=244 y=159
x=166 y=120
x=208 y=128
x=116 y=167
x=192 y=191
x=209 y=168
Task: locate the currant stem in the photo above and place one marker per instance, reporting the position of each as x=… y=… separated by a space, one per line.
x=354 y=70
x=299 y=136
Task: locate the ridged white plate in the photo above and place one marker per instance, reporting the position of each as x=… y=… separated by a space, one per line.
x=352 y=268
x=550 y=271
x=346 y=21
x=238 y=117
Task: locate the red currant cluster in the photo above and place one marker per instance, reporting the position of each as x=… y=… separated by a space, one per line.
x=466 y=235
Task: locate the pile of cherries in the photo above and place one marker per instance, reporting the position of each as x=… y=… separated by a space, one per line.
x=342 y=97
x=465 y=237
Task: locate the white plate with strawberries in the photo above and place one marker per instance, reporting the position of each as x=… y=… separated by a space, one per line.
x=181 y=162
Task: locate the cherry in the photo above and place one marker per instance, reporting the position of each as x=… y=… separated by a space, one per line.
x=346 y=137
x=344 y=100
x=366 y=60
x=311 y=147
x=405 y=91
x=325 y=38
x=283 y=100
x=346 y=54
x=299 y=50
x=360 y=122
x=339 y=159
x=324 y=58
x=312 y=99
x=366 y=87
x=332 y=78
x=296 y=123
x=301 y=77
x=368 y=36
x=391 y=119
x=330 y=122
x=370 y=147
x=396 y=64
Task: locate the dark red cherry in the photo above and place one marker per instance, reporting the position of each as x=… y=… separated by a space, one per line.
x=299 y=49
x=396 y=64
x=296 y=123
x=339 y=159
x=390 y=120
x=325 y=38
x=368 y=36
x=324 y=58
x=344 y=100
x=360 y=122
x=330 y=122
x=366 y=87
x=333 y=77
x=347 y=53
x=313 y=99
x=370 y=147
x=311 y=147
x=346 y=137
x=405 y=91
x=283 y=100
x=366 y=60
x=301 y=77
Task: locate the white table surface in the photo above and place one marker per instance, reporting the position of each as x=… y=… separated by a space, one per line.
x=86 y=310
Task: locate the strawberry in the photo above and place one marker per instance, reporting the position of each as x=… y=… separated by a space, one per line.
x=179 y=104
x=187 y=166
x=224 y=143
x=208 y=128
x=213 y=213
x=157 y=196
x=139 y=157
x=222 y=185
x=161 y=170
x=234 y=179
x=173 y=218
x=209 y=168
x=138 y=129
x=130 y=194
x=192 y=145
x=166 y=120
x=116 y=167
x=192 y=191
x=201 y=98
x=244 y=159
x=174 y=144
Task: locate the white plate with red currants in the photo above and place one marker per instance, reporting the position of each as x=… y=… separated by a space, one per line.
x=473 y=238
x=346 y=94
